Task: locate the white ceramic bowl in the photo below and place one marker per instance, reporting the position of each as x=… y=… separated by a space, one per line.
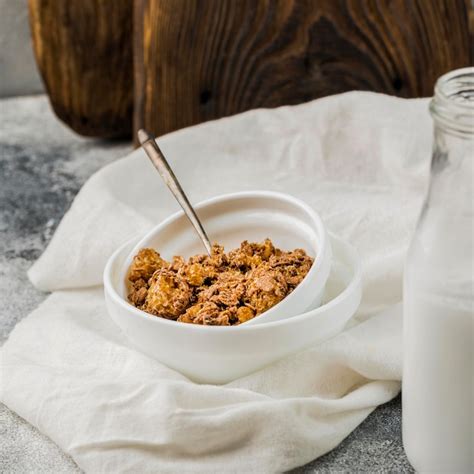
x=216 y=354
x=253 y=215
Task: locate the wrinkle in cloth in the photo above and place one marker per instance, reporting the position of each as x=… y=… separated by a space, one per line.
x=361 y=160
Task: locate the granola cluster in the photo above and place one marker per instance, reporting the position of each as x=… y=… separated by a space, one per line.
x=221 y=289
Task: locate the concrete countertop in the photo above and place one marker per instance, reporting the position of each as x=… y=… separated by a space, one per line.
x=42 y=167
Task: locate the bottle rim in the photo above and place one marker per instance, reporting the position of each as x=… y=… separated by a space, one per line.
x=452 y=106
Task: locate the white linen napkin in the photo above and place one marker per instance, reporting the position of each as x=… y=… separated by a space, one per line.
x=361 y=160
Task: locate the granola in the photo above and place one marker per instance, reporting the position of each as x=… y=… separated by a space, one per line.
x=221 y=289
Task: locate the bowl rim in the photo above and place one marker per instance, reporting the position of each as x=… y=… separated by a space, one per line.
x=322 y=252
x=351 y=286
x=316 y=218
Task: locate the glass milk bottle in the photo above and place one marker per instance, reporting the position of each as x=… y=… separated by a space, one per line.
x=438 y=365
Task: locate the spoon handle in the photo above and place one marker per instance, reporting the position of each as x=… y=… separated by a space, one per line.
x=148 y=143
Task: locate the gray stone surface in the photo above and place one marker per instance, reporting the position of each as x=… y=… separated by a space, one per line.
x=374 y=446
x=42 y=167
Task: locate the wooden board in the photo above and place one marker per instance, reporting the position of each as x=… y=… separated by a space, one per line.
x=197 y=60
x=84 y=52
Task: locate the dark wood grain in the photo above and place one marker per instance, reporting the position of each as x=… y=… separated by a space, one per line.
x=84 y=52
x=197 y=60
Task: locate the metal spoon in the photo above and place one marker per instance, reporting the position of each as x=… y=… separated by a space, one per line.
x=148 y=143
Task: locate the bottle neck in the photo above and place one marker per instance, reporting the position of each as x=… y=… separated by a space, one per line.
x=452 y=171
x=452 y=106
